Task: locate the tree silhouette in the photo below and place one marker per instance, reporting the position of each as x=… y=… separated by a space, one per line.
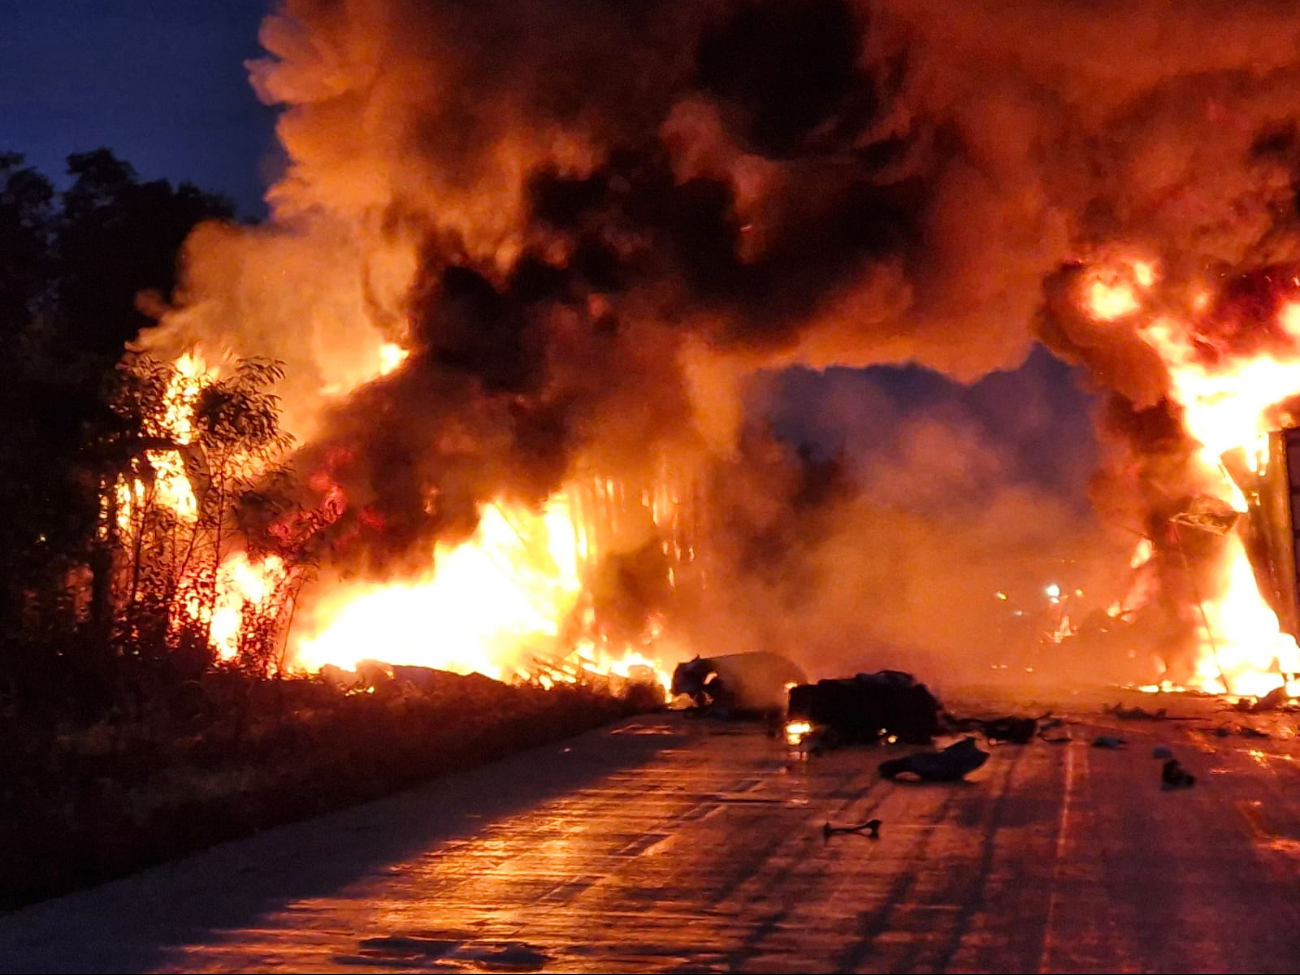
x=72 y=264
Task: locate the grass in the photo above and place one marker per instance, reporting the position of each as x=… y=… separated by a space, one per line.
x=231 y=755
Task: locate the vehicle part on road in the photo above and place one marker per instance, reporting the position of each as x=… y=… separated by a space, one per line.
x=949 y=765
x=739 y=684
x=869 y=829
x=869 y=708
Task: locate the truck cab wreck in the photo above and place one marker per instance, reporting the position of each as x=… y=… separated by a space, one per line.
x=739 y=684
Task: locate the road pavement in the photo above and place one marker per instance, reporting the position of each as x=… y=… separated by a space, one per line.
x=676 y=845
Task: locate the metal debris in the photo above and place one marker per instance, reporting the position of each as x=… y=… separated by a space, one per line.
x=869 y=829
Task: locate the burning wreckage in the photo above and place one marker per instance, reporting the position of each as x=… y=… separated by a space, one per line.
x=515 y=360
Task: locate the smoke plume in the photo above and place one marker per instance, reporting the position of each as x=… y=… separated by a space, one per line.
x=588 y=222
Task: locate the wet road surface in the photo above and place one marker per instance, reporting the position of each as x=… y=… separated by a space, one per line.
x=672 y=845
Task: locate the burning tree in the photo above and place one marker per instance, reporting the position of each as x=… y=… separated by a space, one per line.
x=192 y=459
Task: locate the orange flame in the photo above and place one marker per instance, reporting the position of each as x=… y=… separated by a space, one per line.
x=496 y=604
x=1226 y=402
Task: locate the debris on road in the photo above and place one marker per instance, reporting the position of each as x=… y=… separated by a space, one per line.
x=949 y=765
x=1014 y=729
x=870 y=829
x=1275 y=700
x=889 y=705
x=1175 y=776
x=1108 y=741
x=1137 y=713
x=1162 y=751
x=1243 y=730
x=738 y=684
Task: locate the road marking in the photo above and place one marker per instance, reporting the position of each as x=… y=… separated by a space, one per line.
x=1062 y=837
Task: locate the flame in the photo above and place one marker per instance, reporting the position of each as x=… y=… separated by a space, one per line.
x=1226 y=401
x=795 y=731
x=1112 y=292
x=391 y=356
x=170 y=485
x=500 y=603
x=496 y=604
x=1142 y=554
x=244 y=586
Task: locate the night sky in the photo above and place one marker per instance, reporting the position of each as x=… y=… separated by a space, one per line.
x=161 y=82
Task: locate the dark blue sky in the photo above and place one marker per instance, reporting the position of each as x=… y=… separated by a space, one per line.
x=161 y=82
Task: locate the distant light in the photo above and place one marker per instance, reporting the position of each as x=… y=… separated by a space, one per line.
x=1053 y=590
x=1000 y=595
x=1078 y=592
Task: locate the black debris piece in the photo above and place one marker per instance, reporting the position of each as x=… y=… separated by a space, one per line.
x=1175 y=776
x=869 y=829
x=950 y=765
x=1108 y=741
x=869 y=707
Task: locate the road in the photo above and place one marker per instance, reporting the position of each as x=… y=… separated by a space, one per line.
x=672 y=845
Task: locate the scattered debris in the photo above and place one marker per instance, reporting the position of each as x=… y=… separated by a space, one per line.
x=738 y=684
x=1162 y=751
x=949 y=765
x=1018 y=731
x=1137 y=713
x=1244 y=730
x=1275 y=700
x=870 y=829
x=890 y=705
x=1175 y=776
x=1108 y=741
x=1051 y=724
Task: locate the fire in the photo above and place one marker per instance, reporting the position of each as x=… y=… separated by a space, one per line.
x=169 y=485
x=391 y=356
x=1226 y=401
x=504 y=603
x=496 y=604
x=244 y=587
x=795 y=732
x=1115 y=292
x=1246 y=648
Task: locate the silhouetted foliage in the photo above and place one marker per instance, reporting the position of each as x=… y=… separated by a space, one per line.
x=72 y=264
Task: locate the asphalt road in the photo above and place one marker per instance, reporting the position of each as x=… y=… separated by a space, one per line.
x=672 y=845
